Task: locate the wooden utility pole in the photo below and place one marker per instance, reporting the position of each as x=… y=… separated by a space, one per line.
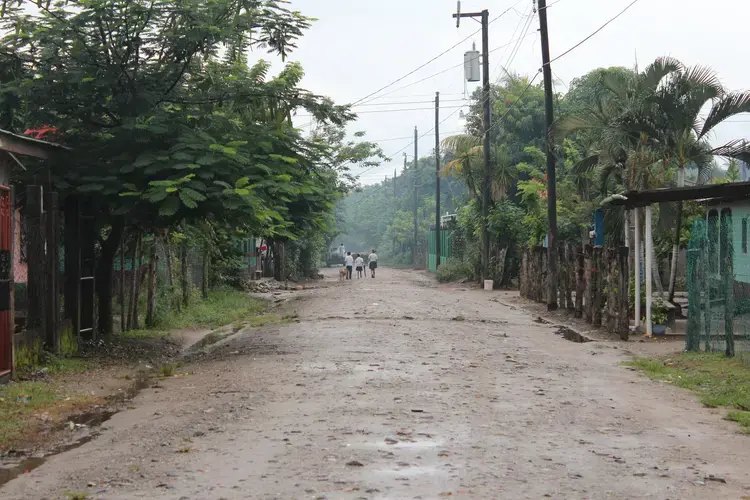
x=437 y=180
x=551 y=188
x=487 y=105
x=414 y=177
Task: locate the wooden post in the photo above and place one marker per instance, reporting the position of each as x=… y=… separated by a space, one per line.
x=543 y=288
x=562 y=283
x=52 y=309
x=624 y=306
x=590 y=276
x=37 y=263
x=612 y=288
x=598 y=272
x=580 y=281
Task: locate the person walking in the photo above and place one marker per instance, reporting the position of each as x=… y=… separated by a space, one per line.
x=359 y=265
x=373 y=260
x=349 y=264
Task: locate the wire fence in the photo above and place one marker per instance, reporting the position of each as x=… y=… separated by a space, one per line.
x=718 y=275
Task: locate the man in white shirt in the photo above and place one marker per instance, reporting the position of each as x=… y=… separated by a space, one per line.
x=373 y=260
x=349 y=264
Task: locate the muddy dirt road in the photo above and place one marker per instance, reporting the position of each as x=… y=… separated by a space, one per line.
x=399 y=388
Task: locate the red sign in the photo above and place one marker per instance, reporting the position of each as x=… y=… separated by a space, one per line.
x=263 y=248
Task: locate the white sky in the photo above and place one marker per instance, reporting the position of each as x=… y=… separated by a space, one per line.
x=358 y=46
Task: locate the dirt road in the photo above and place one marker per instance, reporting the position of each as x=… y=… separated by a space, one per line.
x=398 y=388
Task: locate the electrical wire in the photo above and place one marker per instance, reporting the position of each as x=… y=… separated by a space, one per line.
x=396 y=103
x=430 y=61
x=432 y=76
x=571 y=49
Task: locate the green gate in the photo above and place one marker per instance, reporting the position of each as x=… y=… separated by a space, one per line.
x=446 y=247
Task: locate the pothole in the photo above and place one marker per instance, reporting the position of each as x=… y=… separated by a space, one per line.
x=571 y=335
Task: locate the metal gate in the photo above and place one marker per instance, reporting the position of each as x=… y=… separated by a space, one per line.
x=6 y=282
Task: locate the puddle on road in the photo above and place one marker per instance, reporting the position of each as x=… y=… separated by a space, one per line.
x=411 y=471
x=571 y=335
x=401 y=445
x=89 y=421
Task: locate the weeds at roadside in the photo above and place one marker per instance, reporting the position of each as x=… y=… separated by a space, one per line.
x=719 y=382
x=76 y=495
x=19 y=401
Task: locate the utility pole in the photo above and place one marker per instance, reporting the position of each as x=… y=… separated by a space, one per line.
x=551 y=188
x=485 y=16
x=437 y=180
x=414 y=177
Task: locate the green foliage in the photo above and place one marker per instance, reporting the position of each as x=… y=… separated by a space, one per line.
x=454 y=270
x=222 y=307
x=659 y=311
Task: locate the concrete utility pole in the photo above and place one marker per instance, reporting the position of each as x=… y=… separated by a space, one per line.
x=484 y=15
x=437 y=180
x=551 y=188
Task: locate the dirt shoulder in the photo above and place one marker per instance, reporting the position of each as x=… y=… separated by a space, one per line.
x=410 y=389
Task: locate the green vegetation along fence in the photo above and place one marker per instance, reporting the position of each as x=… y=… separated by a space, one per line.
x=718 y=274
x=446 y=248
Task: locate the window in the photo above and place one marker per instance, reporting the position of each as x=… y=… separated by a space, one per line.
x=744 y=235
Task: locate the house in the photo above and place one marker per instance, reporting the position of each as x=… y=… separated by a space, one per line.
x=13 y=147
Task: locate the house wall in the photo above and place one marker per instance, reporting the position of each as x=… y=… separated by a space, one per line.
x=741 y=257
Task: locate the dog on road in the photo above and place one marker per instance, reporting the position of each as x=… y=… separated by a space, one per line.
x=343 y=274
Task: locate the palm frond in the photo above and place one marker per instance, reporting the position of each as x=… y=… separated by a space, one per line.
x=457 y=144
x=738 y=148
x=730 y=104
x=657 y=71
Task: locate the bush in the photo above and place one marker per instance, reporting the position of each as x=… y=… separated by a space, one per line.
x=454 y=270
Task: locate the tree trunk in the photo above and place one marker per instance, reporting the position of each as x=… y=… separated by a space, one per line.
x=204 y=278
x=133 y=281
x=123 y=320
x=184 y=274
x=675 y=254
x=168 y=252
x=138 y=279
x=676 y=243
x=152 y=268
x=104 y=273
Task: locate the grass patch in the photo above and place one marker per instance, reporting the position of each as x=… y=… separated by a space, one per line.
x=20 y=401
x=720 y=382
x=220 y=308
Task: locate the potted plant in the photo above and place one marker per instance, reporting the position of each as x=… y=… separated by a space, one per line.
x=659 y=316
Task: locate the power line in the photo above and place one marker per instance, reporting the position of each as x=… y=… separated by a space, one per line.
x=428 y=62
x=433 y=76
x=409 y=102
x=594 y=33
x=395 y=110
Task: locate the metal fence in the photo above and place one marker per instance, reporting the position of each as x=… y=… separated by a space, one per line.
x=718 y=275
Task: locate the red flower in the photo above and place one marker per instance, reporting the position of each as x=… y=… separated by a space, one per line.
x=40 y=133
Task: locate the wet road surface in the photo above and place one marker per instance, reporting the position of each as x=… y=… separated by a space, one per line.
x=399 y=388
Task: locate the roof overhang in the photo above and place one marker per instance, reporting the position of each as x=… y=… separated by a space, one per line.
x=727 y=192
x=26 y=146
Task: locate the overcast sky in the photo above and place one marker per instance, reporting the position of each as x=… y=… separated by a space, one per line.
x=357 y=46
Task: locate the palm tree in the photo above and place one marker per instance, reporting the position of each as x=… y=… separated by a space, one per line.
x=652 y=119
x=465 y=152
